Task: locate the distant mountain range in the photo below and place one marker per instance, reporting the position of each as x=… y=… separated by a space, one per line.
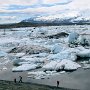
x=73 y=17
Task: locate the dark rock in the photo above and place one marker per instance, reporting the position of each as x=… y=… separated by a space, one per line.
x=58 y=35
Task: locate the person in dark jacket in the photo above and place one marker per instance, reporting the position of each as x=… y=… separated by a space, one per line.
x=20 y=80
x=15 y=80
x=57 y=83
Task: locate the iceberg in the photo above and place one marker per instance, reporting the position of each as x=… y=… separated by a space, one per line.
x=84 y=53
x=67 y=65
x=56 y=48
x=61 y=65
x=66 y=54
x=19 y=54
x=2 y=54
x=73 y=36
x=37 y=75
x=50 y=66
x=25 y=67
x=32 y=59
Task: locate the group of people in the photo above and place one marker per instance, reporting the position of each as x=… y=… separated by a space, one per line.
x=20 y=79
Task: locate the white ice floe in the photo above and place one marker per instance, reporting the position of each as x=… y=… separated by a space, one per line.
x=19 y=54
x=40 y=55
x=41 y=74
x=62 y=72
x=50 y=66
x=84 y=53
x=70 y=54
x=5 y=40
x=57 y=48
x=83 y=40
x=4 y=68
x=3 y=54
x=67 y=65
x=79 y=48
x=73 y=36
x=25 y=67
x=51 y=72
x=64 y=64
x=20 y=34
x=86 y=66
x=32 y=59
x=37 y=75
x=66 y=54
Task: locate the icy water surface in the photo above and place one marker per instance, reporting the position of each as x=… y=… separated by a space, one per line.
x=39 y=45
x=50 y=53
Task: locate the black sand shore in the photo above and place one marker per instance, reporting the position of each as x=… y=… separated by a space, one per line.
x=9 y=85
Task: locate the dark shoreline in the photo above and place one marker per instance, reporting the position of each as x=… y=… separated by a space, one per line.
x=28 y=24
x=10 y=85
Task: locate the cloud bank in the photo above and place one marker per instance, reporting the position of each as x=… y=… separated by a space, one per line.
x=22 y=9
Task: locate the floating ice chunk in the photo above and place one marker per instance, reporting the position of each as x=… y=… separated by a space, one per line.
x=32 y=59
x=63 y=55
x=5 y=40
x=62 y=72
x=64 y=64
x=37 y=74
x=41 y=55
x=79 y=48
x=2 y=54
x=20 y=54
x=67 y=65
x=50 y=66
x=4 y=68
x=41 y=74
x=50 y=72
x=73 y=37
x=86 y=66
x=71 y=65
x=57 y=48
x=83 y=41
x=20 y=34
x=84 y=53
x=25 y=67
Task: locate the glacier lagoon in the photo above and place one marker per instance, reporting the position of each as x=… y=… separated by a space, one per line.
x=46 y=54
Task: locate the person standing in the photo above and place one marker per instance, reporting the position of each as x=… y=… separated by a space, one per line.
x=15 y=80
x=57 y=83
x=20 y=79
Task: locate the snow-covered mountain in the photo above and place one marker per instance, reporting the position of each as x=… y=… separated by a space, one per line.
x=74 y=12
x=66 y=17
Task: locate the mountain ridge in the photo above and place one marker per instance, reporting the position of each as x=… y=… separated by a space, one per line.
x=67 y=17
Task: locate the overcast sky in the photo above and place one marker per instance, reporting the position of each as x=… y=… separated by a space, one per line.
x=17 y=10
